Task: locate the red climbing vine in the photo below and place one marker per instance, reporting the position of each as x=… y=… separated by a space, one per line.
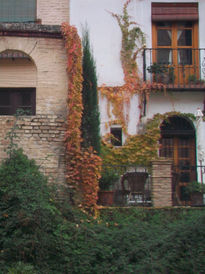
x=83 y=166
x=133 y=43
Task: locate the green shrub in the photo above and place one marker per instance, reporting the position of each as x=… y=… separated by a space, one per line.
x=27 y=213
x=108 y=178
x=36 y=238
x=21 y=268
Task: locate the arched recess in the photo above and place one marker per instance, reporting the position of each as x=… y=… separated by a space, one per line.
x=18 y=81
x=178 y=142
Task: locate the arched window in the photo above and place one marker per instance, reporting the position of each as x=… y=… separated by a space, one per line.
x=18 y=76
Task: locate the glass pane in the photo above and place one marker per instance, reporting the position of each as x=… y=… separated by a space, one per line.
x=116 y=140
x=184 y=164
x=184 y=142
x=184 y=24
x=164 y=37
x=166 y=152
x=183 y=152
x=25 y=99
x=184 y=177
x=166 y=149
x=4 y=98
x=164 y=56
x=184 y=56
x=164 y=24
x=184 y=37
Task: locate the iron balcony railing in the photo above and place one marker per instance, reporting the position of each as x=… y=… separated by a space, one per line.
x=182 y=68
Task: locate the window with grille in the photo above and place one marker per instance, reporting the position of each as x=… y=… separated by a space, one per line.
x=13 y=100
x=17 y=11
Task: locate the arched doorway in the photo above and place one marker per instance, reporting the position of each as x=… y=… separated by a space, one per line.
x=178 y=142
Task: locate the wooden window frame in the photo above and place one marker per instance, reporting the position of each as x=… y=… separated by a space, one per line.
x=15 y=104
x=174 y=37
x=181 y=71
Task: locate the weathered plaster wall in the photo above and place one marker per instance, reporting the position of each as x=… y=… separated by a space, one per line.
x=53 y=12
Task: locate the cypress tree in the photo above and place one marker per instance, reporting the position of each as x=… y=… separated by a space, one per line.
x=91 y=117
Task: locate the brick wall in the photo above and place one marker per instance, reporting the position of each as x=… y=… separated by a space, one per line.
x=49 y=59
x=42 y=139
x=53 y=12
x=162 y=183
x=40 y=136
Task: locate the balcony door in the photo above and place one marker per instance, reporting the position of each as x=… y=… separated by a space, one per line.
x=175 y=47
x=178 y=143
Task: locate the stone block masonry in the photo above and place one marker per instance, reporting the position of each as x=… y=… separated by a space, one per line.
x=42 y=139
x=162 y=183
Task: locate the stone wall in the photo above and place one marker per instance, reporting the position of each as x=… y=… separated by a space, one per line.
x=162 y=183
x=42 y=139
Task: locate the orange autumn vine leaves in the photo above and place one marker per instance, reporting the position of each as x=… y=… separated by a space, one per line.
x=133 y=42
x=83 y=166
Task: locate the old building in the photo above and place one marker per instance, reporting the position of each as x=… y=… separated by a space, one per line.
x=174 y=55
x=33 y=78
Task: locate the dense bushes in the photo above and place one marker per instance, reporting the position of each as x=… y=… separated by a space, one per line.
x=28 y=216
x=37 y=237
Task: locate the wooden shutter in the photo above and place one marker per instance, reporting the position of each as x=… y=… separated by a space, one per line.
x=174 y=12
x=17 y=10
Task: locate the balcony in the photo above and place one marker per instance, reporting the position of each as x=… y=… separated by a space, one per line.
x=181 y=69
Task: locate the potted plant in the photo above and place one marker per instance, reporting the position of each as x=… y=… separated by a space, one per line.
x=106 y=194
x=159 y=72
x=193 y=80
x=196 y=190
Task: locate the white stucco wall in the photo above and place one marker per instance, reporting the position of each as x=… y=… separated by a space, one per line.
x=105 y=36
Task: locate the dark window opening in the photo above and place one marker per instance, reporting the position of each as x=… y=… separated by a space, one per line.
x=13 y=100
x=116 y=139
x=184 y=195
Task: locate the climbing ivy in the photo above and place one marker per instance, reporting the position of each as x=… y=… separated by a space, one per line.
x=83 y=165
x=133 y=43
x=139 y=149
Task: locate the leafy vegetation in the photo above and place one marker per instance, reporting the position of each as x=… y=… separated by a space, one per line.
x=90 y=119
x=108 y=178
x=120 y=240
x=83 y=165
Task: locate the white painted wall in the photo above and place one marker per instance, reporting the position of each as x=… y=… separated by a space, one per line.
x=105 y=39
